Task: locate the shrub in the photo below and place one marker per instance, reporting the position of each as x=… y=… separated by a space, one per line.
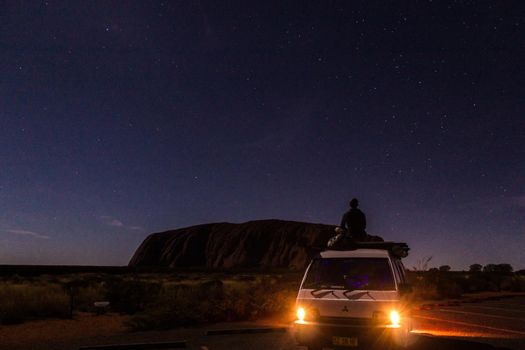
x=449 y=289
x=214 y=301
x=425 y=292
x=86 y=296
x=131 y=296
x=475 y=268
x=513 y=283
x=20 y=302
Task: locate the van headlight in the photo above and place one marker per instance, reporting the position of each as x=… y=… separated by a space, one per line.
x=395 y=318
x=301 y=313
x=307 y=314
x=390 y=319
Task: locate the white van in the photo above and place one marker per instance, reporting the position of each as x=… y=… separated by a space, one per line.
x=350 y=298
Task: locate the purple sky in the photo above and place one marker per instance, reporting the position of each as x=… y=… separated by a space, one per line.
x=122 y=119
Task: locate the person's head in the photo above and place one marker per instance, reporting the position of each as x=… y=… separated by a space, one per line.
x=354 y=203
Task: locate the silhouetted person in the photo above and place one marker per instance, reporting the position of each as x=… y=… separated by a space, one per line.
x=354 y=222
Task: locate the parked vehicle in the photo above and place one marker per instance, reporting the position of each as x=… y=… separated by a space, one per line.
x=353 y=296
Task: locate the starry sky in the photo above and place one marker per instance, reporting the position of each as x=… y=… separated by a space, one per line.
x=118 y=119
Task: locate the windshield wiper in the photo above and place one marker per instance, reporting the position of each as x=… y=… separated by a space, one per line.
x=357 y=295
x=323 y=290
x=318 y=294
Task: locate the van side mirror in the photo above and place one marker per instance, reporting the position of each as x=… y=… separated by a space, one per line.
x=404 y=288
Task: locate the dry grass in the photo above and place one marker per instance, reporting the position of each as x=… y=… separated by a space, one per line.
x=85 y=297
x=48 y=333
x=215 y=301
x=153 y=300
x=157 y=301
x=24 y=301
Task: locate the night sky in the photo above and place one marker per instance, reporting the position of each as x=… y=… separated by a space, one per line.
x=118 y=119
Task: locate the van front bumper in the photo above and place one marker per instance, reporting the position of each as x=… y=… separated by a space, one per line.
x=365 y=332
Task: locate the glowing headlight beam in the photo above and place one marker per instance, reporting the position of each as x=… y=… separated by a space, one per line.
x=395 y=318
x=300 y=314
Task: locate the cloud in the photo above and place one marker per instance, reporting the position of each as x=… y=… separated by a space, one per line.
x=111 y=221
x=27 y=233
x=115 y=222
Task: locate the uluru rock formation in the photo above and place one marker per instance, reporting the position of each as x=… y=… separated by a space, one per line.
x=256 y=244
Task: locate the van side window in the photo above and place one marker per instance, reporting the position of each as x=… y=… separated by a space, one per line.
x=400 y=276
x=401 y=270
x=396 y=271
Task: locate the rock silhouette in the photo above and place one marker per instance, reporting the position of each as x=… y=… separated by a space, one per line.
x=261 y=244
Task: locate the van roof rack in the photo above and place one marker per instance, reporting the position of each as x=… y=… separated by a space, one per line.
x=398 y=249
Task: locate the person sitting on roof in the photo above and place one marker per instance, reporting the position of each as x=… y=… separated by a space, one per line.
x=354 y=222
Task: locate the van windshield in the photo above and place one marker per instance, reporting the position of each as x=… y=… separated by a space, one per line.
x=350 y=274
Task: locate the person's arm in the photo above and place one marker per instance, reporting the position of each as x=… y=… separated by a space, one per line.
x=343 y=221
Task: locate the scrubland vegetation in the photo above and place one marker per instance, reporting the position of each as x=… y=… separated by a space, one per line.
x=247 y=298
x=441 y=283
x=166 y=300
x=152 y=300
x=22 y=301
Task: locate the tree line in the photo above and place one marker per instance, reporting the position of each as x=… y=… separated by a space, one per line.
x=490 y=268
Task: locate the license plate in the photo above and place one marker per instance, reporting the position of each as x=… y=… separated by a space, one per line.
x=344 y=341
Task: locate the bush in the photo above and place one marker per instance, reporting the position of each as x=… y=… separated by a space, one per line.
x=449 y=289
x=85 y=297
x=477 y=282
x=513 y=283
x=20 y=302
x=437 y=284
x=131 y=296
x=214 y=301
